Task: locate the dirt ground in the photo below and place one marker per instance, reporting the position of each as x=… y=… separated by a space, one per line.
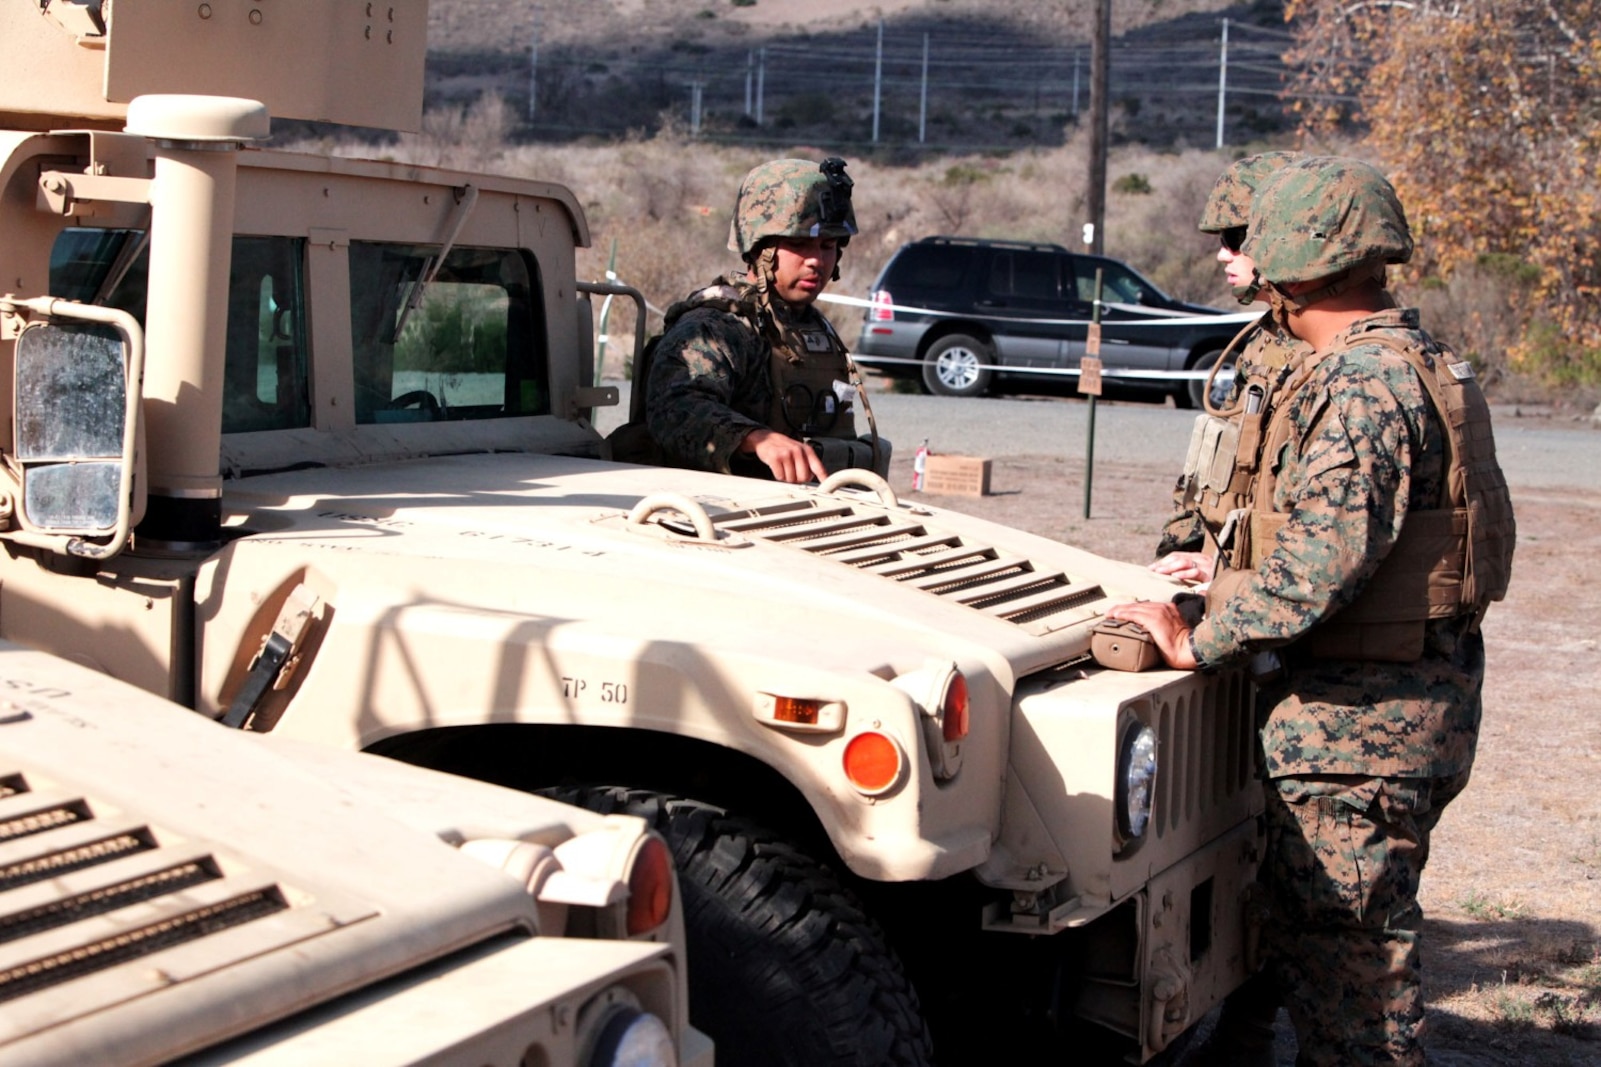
x=1513 y=892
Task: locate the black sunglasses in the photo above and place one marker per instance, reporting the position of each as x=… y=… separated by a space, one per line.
x=1233 y=238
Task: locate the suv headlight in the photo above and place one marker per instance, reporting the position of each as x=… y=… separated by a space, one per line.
x=1136 y=778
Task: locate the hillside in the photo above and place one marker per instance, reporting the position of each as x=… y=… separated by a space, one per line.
x=999 y=75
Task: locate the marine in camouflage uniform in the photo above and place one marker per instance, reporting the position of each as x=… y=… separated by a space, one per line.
x=1264 y=346
x=1369 y=704
x=738 y=358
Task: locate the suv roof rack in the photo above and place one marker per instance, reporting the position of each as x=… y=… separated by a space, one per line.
x=985 y=242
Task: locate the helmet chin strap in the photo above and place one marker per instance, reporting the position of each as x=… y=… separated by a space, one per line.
x=1340 y=283
x=1247 y=294
x=764 y=273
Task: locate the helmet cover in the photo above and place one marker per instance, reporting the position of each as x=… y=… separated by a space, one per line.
x=1321 y=216
x=1229 y=203
x=792 y=198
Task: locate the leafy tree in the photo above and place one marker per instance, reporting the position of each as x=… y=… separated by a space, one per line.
x=1487 y=114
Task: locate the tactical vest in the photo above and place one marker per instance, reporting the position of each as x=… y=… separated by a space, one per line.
x=1448 y=561
x=813 y=394
x=809 y=366
x=1222 y=455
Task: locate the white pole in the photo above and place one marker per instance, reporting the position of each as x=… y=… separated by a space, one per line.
x=1075 y=83
x=750 y=65
x=1222 y=81
x=922 y=102
x=878 y=78
x=533 y=69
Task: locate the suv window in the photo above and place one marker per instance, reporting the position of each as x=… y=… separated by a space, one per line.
x=1118 y=284
x=932 y=268
x=470 y=348
x=1024 y=274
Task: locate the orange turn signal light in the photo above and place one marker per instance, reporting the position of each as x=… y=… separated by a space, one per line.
x=792 y=709
x=953 y=713
x=650 y=887
x=873 y=762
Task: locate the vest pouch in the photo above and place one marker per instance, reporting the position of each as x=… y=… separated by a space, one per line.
x=1121 y=645
x=839 y=454
x=1220 y=444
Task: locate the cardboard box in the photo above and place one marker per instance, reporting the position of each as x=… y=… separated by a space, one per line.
x=958 y=475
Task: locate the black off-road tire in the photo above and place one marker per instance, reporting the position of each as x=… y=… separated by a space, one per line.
x=785 y=968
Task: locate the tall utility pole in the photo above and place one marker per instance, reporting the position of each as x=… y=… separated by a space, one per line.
x=1222 y=81
x=533 y=70
x=878 y=77
x=1100 y=106
x=922 y=96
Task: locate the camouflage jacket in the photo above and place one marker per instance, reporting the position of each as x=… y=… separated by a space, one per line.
x=1268 y=349
x=1367 y=448
x=711 y=376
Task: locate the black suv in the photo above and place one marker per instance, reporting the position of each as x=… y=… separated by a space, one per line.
x=959 y=312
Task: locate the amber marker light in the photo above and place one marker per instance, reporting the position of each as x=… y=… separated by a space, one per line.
x=790 y=709
x=650 y=887
x=873 y=762
x=801 y=714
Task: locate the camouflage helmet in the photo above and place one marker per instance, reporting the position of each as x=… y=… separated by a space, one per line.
x=1322 y=216
x=1229 y=204
x=792 y=198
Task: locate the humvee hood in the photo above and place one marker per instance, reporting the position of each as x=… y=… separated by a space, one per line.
x=860 y=577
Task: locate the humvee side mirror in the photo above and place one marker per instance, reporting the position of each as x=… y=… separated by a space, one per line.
x=77 y=401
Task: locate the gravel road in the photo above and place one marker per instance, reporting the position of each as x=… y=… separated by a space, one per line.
x=1536 y=451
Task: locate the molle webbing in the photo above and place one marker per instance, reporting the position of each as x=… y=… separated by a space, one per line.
x=1448 y=561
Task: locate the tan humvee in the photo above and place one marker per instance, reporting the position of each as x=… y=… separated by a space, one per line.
x=303 y=443
x=170 y=888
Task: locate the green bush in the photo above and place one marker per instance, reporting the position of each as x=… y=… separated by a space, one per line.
x=1133 y=185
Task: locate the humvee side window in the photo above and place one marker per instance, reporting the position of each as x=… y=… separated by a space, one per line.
x=265 y=380
x=465 y=344
x=266 y=375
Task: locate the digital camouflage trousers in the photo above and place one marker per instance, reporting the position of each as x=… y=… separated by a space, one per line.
x=1344 y=858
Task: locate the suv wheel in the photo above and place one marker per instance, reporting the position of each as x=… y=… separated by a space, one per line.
x=1193 y=394
x=957 y=365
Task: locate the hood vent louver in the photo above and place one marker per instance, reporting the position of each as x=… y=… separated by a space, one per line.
x=81 y=894
x=902 y=549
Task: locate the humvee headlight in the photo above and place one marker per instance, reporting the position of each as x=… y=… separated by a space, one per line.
x=634 y=1040
x=1136 y=777
x=615 y=1030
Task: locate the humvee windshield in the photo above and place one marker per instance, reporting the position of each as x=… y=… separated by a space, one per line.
x=464 y=345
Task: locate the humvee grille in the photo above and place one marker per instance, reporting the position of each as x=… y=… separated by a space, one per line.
x=1205 y=754
x=115 y=891
x=914 y=553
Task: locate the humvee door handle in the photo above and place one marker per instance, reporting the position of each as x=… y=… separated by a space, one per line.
x=278 y=656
